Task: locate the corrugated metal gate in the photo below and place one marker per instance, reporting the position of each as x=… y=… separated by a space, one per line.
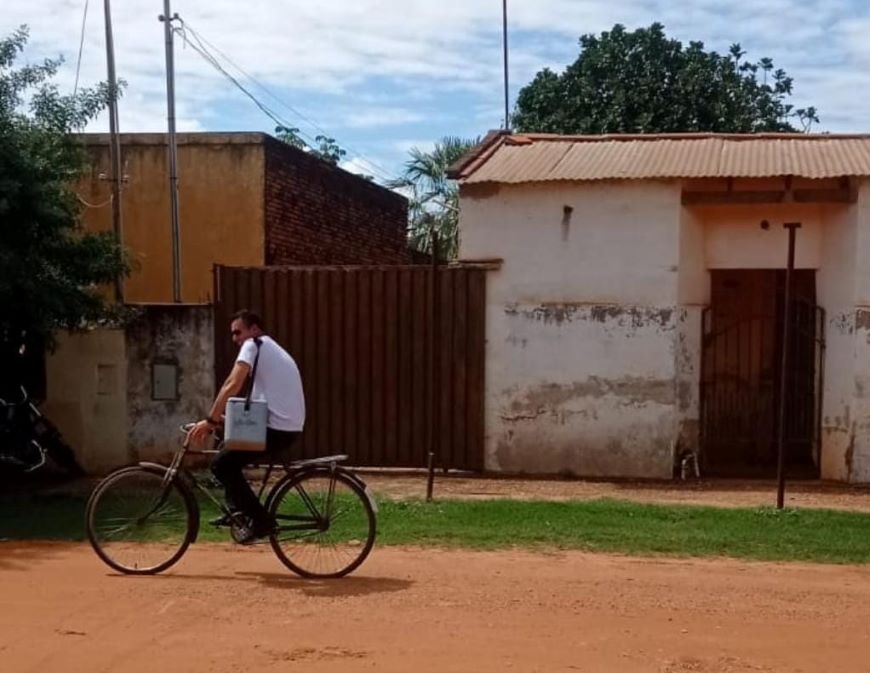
x=367 y=341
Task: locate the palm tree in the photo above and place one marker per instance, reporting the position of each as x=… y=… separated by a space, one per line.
x=434 y=199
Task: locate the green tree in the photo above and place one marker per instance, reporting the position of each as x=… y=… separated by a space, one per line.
x=290 y=135
x=52 y=273
x=644 y=82
x=326 y=148
x=433 y=198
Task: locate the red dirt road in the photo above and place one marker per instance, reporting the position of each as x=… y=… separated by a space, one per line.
x=235 y=609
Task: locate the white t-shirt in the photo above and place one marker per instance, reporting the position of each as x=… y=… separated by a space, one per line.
x=278 y=382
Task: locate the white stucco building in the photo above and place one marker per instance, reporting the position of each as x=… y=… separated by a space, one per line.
x=639 y=301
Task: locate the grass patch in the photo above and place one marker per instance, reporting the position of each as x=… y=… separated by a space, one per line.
x=823 y=536
x=633 y=528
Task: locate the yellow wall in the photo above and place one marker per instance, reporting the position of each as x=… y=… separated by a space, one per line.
x=221 y=201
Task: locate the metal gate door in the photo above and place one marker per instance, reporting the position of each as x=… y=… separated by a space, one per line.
x=740 y=374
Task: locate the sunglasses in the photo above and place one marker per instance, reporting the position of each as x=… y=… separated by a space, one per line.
x=236 y=332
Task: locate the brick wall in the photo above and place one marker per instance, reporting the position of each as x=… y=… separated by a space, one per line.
x=319 y=214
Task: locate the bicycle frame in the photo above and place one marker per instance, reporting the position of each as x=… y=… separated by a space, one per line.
x=8 y=417
x=317 y=521
x=304 y=503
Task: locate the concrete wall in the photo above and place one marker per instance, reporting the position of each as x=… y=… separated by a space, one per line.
x=835 y=287
x=87 y=397
x=734 y=238
x=594 y=319
x=220 y=208
x=181 y=335
x=581 y=325
x=693 y=294
x=860 y=416
x=99 y=385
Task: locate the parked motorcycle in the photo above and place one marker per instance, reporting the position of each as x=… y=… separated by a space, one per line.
x=28 y=440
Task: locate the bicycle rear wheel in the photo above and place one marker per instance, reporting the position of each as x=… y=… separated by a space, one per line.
x=326 y=524
x=138 y=523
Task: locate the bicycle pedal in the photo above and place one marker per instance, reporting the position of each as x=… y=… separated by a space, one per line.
x=227 y=520
x=242 y=536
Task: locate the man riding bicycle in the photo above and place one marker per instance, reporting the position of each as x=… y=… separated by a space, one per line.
x=278 y=383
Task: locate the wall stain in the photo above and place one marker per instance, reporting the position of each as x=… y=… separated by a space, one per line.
x=850 y=454
x=685 y=393
x=516 y=341
x=641 y=450
x=480 y=190
x=549 y=397
x=843 y=323
x=558 y=313
x=179 y=333
x=689 y=435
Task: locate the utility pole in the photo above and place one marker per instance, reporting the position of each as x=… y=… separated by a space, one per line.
x=792 y=228
x=505 y=43
x=167 y=18
x=114 y=142
x=434 y=362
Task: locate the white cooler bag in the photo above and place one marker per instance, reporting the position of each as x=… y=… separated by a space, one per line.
x=245 y=419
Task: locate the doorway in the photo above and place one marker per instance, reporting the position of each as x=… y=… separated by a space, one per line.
x=741 y=364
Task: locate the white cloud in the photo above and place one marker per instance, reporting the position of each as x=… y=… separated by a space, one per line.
x=356 y=165
x=855 y=34
x=405 y=146
x=373 y=166
x=374 y=117
x=441 y=61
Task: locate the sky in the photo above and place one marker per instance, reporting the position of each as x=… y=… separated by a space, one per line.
x=383 y=76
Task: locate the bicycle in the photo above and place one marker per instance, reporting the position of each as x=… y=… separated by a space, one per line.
x=28 y=440
x=324 y=513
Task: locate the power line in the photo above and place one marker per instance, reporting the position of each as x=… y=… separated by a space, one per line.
x=211 y=60
x=205 y=45
x=292 y=109
x=81 y=46
x=215 y=64
x=202 y=47
x=384 y=173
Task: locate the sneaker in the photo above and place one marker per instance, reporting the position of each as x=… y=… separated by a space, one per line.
x=227 y=519
x=251 y=534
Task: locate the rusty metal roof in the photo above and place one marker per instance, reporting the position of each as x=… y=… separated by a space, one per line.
x=515 y=159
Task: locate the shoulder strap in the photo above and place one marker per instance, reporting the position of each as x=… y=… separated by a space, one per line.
x=259 y=343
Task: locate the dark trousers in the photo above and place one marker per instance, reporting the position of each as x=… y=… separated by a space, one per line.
x=228 y=466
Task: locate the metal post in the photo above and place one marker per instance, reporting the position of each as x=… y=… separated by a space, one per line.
x=434 y=342
x=167 y=19
x=507 y=123
x=114 y=142
x=792 y=228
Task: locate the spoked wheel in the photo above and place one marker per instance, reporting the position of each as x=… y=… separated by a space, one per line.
x=137 y=523
x=326 y=524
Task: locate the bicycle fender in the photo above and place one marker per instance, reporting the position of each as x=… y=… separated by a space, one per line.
x=153 y=466
x=270 y=496
x=354 y=478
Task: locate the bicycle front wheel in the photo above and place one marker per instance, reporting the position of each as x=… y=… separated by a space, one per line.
x=326 y=524
x=139 y=523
